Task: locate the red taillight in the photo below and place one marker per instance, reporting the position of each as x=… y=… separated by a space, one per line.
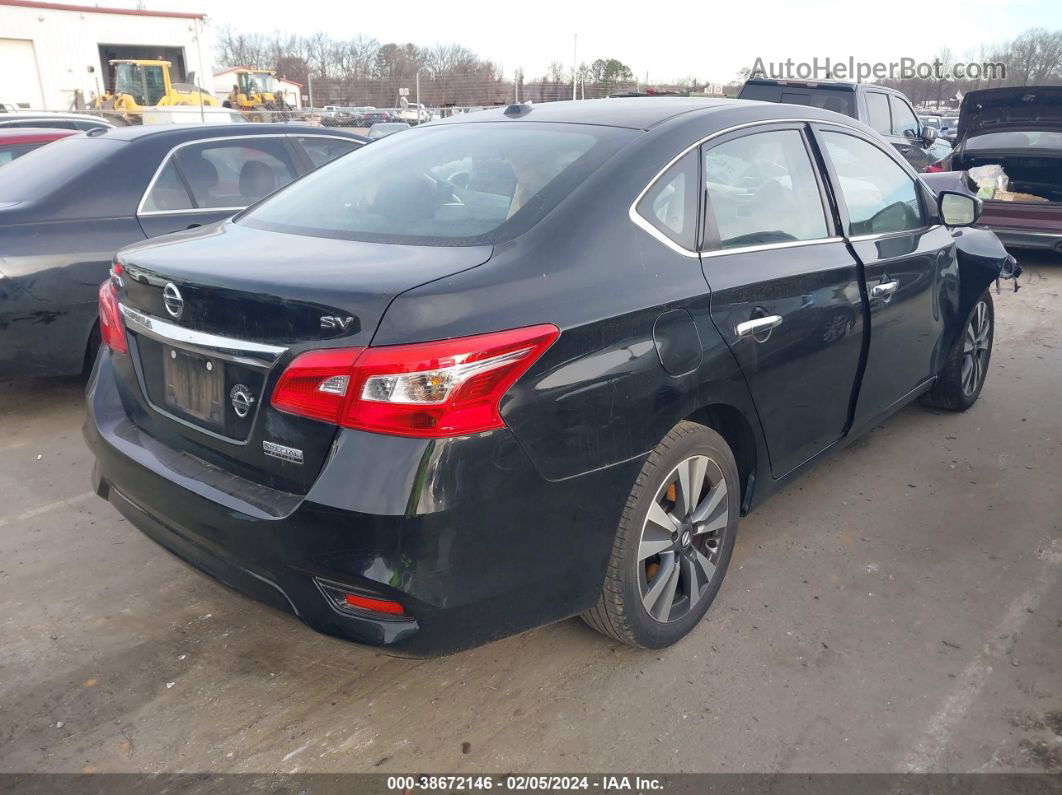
x=934 y=169
x=112 y=329
x=429 y=389
x=375 y=605
x=316 y=384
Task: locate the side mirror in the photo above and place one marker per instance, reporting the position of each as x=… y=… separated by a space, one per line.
x=928 y=134
x=958 y=209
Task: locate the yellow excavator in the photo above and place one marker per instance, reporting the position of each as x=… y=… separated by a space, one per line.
x=142 y=84
x=255 y=95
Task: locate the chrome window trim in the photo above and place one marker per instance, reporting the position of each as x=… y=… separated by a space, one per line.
x=253 y=354
x=141 y=212
x=771 y=246
x=885 y=235
x=642 y=223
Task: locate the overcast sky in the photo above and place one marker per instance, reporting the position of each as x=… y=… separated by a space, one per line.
x=711 y=41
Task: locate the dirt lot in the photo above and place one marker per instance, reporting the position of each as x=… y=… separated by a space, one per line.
x=899 y=608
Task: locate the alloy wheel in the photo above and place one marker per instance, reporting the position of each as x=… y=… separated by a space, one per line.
x=682 y=537
x=975 y=349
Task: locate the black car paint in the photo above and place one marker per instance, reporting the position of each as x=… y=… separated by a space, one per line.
x=486 y=535
x=55 y=250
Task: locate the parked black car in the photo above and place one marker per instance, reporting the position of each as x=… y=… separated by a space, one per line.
x=886 y=110
x=525 y=364
x=65 y=211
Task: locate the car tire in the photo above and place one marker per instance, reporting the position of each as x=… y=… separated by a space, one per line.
x=960 y=382
x=645 y=599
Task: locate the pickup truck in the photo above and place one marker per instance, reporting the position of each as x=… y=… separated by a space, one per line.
x=888 y=111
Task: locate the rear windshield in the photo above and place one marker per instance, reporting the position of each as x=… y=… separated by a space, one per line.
x=51 y=167
x=453 y=184
x=1017 y=140
x=837 y=100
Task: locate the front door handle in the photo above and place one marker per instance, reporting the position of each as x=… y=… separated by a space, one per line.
x=883 y=290
x=751 y=328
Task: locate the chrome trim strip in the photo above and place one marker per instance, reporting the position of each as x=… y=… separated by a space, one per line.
x=253 y=354
x=644 y=224
x=192 y=211
x=771 y=246
x=140 y=211
x=885 y=235
x=1017 y=230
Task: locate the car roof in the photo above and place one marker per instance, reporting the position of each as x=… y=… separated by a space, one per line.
x=51 y=114
x=27 y=135
x=180 y=132
x=638 y=113
x=836 y=85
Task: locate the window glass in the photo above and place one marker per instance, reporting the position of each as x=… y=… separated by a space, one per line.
x=904 y=121
x=55 y=167
x=89 y=124
x=880 y=196
x=156 y=85
x=838 y=101
x=168 y=192
x=235 y=173
x=878 y=112
x=322 y=150
x=762 y=189
x=671 y=204
x=11 y=151
x=451 y=184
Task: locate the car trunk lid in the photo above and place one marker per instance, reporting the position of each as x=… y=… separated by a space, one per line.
x=1011 y=108
x=216 y=314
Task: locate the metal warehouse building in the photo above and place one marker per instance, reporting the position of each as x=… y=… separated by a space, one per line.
x=49 y=52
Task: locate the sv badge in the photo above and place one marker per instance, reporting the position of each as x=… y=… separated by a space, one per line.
x=336 y=323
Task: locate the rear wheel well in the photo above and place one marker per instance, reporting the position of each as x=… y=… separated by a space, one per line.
x=731 y=424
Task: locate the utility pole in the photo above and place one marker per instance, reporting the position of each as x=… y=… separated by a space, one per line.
x=419 y=120
x=575 y=62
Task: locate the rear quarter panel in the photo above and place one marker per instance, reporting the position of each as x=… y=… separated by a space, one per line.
x=48 y=298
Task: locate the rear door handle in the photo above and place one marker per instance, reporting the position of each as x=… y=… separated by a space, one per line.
x=884 y=289
x=758 y=325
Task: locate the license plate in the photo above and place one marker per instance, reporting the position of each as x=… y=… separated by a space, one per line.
x=195 y=384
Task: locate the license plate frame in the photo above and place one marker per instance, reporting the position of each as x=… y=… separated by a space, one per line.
x=193 y=385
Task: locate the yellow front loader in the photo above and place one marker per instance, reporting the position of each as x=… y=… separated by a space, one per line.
x=139 y=85
x=254 y=94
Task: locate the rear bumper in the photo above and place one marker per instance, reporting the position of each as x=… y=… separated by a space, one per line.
x=1014 y=237
x=464 y=533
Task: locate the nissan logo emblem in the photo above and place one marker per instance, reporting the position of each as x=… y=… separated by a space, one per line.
x=171 y=299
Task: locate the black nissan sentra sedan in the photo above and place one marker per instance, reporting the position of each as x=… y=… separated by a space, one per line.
x=65 y=210
x=527 y=364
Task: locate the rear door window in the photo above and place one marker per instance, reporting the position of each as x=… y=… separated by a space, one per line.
x=762 y=189
x=881 y=197
x=234 y=173
x=321 y=150
x=878 y=112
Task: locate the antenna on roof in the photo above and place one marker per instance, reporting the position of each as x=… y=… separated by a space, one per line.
x=519 y=108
